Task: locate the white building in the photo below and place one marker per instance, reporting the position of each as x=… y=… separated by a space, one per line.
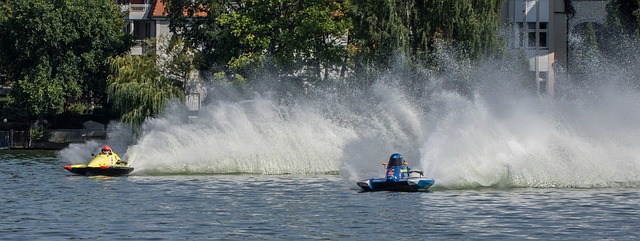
x=146 y=19
x=542 y=28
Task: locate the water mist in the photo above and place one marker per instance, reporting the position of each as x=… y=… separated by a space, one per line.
x=498 y=134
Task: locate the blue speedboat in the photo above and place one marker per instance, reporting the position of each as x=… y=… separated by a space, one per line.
x=399 y=178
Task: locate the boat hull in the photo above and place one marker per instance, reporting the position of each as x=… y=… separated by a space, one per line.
x=115 y=170
x=411 y=184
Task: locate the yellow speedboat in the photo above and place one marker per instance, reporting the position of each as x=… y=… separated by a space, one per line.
x=108 y=164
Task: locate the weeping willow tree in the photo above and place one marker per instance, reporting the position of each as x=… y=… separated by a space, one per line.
x=138 y=87
x=384 y=29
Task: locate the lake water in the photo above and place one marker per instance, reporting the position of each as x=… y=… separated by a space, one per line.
x=42 y=201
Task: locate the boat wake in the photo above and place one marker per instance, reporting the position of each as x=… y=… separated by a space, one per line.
x=517 y=140
x=500 y=135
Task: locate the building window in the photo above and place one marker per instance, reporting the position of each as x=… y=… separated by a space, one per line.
x=128 y=28
x=531 y=34
x=147 y=31
x=531 y=39
x=136 y=30
x=542 y=41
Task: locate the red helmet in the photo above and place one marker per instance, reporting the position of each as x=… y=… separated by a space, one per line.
x=106 y=148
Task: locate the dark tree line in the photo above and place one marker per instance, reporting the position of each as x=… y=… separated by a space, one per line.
x=318 y=37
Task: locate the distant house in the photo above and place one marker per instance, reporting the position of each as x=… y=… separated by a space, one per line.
x=147 y=19
x=542 y=27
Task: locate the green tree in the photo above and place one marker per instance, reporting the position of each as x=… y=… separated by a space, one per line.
x=591 y=38
x=623 y=16
x=56 y=50
x=5 y=14
x=385 y=28
x=620 y=29
x=619 y=38
x=380 y=32
x=195 y=21
x=305 y=36
x=140 y=86
x=303 y=39
x=287 y=36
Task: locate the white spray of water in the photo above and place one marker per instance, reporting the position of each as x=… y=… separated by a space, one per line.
x=500 y=135
x=119 y=138
x=79 y=153
x=255 y=136
x=530 y=141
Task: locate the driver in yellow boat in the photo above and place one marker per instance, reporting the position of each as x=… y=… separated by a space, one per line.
x=115 y=159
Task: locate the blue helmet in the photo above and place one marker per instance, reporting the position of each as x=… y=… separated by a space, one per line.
x=395 y=160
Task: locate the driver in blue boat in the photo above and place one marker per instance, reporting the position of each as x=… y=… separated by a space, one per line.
x=106 y=150
x=396 y=160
